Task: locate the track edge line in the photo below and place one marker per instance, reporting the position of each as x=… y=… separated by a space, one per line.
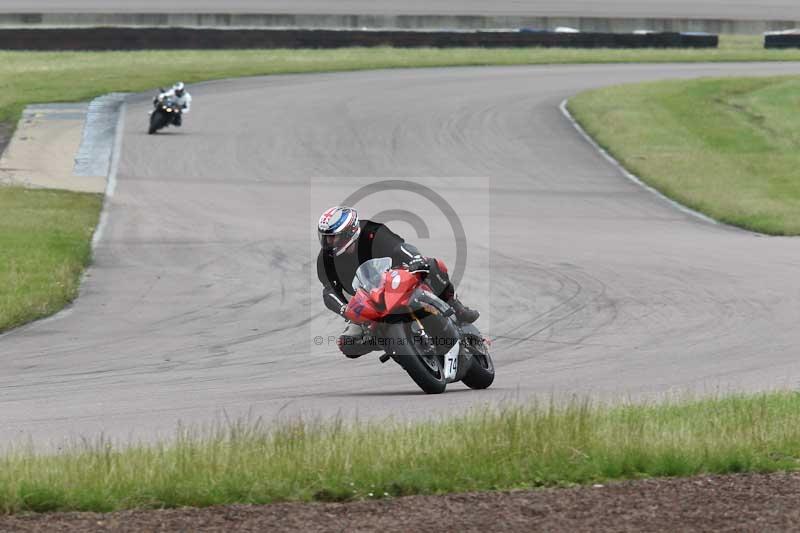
x=634 y=178
x=111 y=182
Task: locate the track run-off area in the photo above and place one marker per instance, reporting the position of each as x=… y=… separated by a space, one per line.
x=202 y=304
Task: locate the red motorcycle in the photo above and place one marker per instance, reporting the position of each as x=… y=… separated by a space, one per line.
x=418 y=329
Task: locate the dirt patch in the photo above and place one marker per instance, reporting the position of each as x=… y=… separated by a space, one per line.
x=748 y=502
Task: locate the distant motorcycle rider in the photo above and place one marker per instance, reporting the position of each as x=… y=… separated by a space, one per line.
x=346 y=243
x=180 y=96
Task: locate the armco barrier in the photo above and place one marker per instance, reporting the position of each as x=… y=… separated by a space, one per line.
x=782 y=40
x=114 y=38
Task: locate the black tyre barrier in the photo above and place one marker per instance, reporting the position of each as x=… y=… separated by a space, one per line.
x=111 y=38
x=785 y=40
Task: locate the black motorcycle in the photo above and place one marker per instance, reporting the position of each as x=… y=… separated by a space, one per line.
x=166 y=112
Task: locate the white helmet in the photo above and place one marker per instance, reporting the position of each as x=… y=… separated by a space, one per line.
x=338 y=229
x=178 y=88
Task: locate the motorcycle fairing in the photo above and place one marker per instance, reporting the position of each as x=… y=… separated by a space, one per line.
x=394 y=291
x=361 y=308
x=397 y=285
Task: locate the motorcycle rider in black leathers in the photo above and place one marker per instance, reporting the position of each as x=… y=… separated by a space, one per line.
x=346 y=243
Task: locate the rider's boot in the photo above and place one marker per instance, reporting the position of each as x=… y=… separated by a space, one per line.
x=463 y=313
x=354 y=342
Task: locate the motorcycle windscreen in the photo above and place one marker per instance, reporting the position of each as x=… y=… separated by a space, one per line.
x=369 y=275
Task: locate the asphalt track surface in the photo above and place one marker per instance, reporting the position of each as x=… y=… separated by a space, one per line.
x=201 y=304
x=712 y=9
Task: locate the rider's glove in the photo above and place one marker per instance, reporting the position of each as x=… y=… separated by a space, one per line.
x=419 y=265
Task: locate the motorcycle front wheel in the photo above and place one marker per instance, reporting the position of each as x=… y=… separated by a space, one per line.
x=156 y=121
x=427 y=371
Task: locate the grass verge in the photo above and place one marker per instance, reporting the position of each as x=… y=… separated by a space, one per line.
x=32 y=289
x=501 y=448
x=44 y=246
x=725 y=147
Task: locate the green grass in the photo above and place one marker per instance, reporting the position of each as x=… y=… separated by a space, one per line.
x=44 y=247
x=725 y=147
x=489 y=449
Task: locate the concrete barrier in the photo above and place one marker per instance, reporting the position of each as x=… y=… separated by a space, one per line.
x=198 y=38
x=415 y=22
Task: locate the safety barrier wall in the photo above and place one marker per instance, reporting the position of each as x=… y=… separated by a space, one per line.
x=413 y=22
x=791 y=40
x=205 y=38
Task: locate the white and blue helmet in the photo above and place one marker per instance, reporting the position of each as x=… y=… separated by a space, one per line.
x=338 y=229
x=179 y=87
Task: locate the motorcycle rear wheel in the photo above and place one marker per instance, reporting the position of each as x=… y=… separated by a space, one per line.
x=481 y=375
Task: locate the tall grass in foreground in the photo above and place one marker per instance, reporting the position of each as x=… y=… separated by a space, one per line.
x=498 y=448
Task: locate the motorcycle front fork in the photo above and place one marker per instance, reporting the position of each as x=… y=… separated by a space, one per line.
x=426 y=346
x=419 y=335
